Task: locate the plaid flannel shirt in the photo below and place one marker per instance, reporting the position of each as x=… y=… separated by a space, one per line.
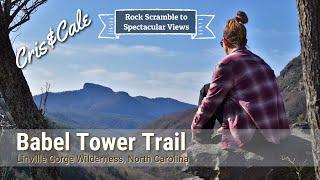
x=252 y=100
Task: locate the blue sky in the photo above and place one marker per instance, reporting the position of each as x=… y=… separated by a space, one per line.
x=153 y=66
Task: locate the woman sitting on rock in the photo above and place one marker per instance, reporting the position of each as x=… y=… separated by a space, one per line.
x=244 y=91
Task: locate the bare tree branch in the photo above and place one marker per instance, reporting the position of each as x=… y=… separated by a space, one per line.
x=19 y=8
x=35 y=5
x=25 y=18
x=25 y=10
x=43 y=99
x=13 y=3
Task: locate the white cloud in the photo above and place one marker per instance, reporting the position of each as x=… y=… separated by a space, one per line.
x=180 y=78
x=183 y=86
x=113 y=49
x=18 y=44
x=45 y=72
x=99 y=73
x=276 y=58
x=215 y=52
x=118 y=49
x=37 y=72
x=109 y=49
x=274 y=32
x=94 y=72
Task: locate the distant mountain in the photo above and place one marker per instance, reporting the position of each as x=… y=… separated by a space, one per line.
x=179 y=120
x=291 y=87
x=96 y=106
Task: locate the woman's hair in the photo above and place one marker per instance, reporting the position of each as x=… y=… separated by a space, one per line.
x=235 y=32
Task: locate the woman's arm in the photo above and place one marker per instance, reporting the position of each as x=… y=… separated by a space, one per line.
x=220 y=85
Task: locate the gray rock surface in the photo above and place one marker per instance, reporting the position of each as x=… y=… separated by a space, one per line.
x=258 y=159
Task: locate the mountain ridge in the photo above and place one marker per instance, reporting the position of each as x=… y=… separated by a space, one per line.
x=97 y=106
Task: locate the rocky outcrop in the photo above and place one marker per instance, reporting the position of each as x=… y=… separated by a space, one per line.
x=258 y=160
x=291 y=86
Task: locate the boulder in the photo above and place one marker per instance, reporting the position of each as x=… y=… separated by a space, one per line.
x=258 y=159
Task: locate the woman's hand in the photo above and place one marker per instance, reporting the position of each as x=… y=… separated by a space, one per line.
x=220 y=130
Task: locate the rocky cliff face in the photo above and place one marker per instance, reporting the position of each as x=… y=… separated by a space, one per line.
x=291 y=86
